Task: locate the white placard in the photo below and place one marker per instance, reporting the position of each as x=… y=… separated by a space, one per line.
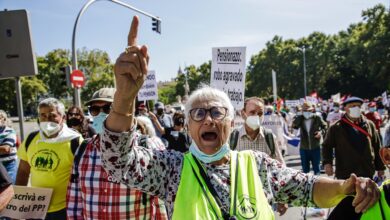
x=148 y=90
x=312 y=100
x=385 y=101
x=28 y=203
x=292 y=103
x=228 y=72
x=336 y=97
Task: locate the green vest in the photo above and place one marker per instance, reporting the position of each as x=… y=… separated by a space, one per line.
x=247 y=200
x=375 y=211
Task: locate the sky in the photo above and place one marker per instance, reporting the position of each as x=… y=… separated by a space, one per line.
x=190 y=29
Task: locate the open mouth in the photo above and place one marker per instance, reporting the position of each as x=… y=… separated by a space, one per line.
x=209 y=136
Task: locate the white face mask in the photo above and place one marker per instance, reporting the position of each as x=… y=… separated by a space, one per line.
x=355 y=112
x=49 y=128
x=307 y=115
x=336 y=109
x=253 y=122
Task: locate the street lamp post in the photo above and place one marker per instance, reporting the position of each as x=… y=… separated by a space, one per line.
x=303 y=49
x=77 y=100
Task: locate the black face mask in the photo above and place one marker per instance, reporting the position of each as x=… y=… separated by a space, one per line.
x=179 y=121
x=73 y=122
x=160 y=111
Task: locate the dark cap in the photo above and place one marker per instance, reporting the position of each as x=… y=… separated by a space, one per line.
x=352 y=99
x=159 y=105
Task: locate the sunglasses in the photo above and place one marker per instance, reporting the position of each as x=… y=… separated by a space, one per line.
x=216 y=113
x=73 y=114
x=95 y=110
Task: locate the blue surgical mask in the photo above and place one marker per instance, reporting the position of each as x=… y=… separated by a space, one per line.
x=372 y=109
x=98 y=122
x=307 y=115
x=206 y=158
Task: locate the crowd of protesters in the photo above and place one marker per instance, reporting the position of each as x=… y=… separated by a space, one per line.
x=129 y=161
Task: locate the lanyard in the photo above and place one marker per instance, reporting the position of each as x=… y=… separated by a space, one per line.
x=225 y=215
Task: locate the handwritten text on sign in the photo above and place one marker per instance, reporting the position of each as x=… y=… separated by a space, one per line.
x=149 y=89
x=228 y=73
x=28 y=203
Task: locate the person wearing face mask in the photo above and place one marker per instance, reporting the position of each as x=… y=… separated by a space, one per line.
x=312 y=128
x=176 y=136
x=211 y=181
x=274 y=121
x=355 y=141
x=335 y=114
x=75 y=120
x=99 y=107
x=163 y=118
x=374 y=116
x=48 y=155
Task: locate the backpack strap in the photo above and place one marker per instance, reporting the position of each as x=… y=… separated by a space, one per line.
x=233 y=140
x=269 y=138
x=29 y=139
x=74 y=144
x=78 y=154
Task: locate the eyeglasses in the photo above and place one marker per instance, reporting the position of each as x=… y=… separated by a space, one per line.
x=95 y=110
x=73 y=114
x=216 y=113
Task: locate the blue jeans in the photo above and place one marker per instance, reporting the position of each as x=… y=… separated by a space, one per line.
x=313 y=156
x=12 y=168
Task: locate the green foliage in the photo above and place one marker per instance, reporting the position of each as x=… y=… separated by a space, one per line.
x=355 y=61
x=167 y=92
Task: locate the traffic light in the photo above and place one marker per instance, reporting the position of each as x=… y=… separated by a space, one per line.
x=64 y=76
x=156 y=25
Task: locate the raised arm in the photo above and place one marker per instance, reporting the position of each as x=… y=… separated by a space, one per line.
x=130 y=69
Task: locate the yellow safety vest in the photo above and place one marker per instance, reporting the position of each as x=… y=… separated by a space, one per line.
x=247 y=198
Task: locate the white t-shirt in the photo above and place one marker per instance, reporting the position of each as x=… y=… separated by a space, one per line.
x=276 y=124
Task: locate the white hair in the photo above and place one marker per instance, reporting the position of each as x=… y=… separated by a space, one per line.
x=7 y=121
x=206 y=94
x=54 y=103
x=148 y=125
x=386 y=136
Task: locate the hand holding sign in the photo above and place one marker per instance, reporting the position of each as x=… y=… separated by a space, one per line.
x=131 y=68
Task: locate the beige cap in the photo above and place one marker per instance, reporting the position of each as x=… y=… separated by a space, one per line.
x=103 y=94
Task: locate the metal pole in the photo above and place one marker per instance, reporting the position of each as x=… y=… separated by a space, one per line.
x=304 y=69
x=19 y=104
x=77 y=100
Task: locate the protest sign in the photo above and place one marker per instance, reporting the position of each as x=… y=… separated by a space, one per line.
x=336 y=97
x=385 y=101
x=28 y=203
x=292 y=103
x=149 y=89
x=312 y=100
x=228 y=73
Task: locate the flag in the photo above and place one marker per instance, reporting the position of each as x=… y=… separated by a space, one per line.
x=314 y=94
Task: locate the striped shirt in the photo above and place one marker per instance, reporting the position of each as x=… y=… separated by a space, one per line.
x=8 y=137
x=93 y=194
x=258 y=144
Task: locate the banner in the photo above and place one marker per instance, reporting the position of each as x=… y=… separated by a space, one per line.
x=292 y=103
x=28 y=203
x=228 y=71
x=149 y=90
x=312 y=100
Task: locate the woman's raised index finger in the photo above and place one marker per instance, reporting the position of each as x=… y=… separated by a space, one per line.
x=132 y=37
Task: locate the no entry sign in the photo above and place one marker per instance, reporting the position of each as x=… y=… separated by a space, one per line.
x=77 y=78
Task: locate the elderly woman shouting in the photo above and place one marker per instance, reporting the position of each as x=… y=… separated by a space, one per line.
x=211 y=181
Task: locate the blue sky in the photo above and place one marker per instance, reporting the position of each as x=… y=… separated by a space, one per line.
x=189 y=28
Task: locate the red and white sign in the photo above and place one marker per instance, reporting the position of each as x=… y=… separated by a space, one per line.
x=77 y=78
